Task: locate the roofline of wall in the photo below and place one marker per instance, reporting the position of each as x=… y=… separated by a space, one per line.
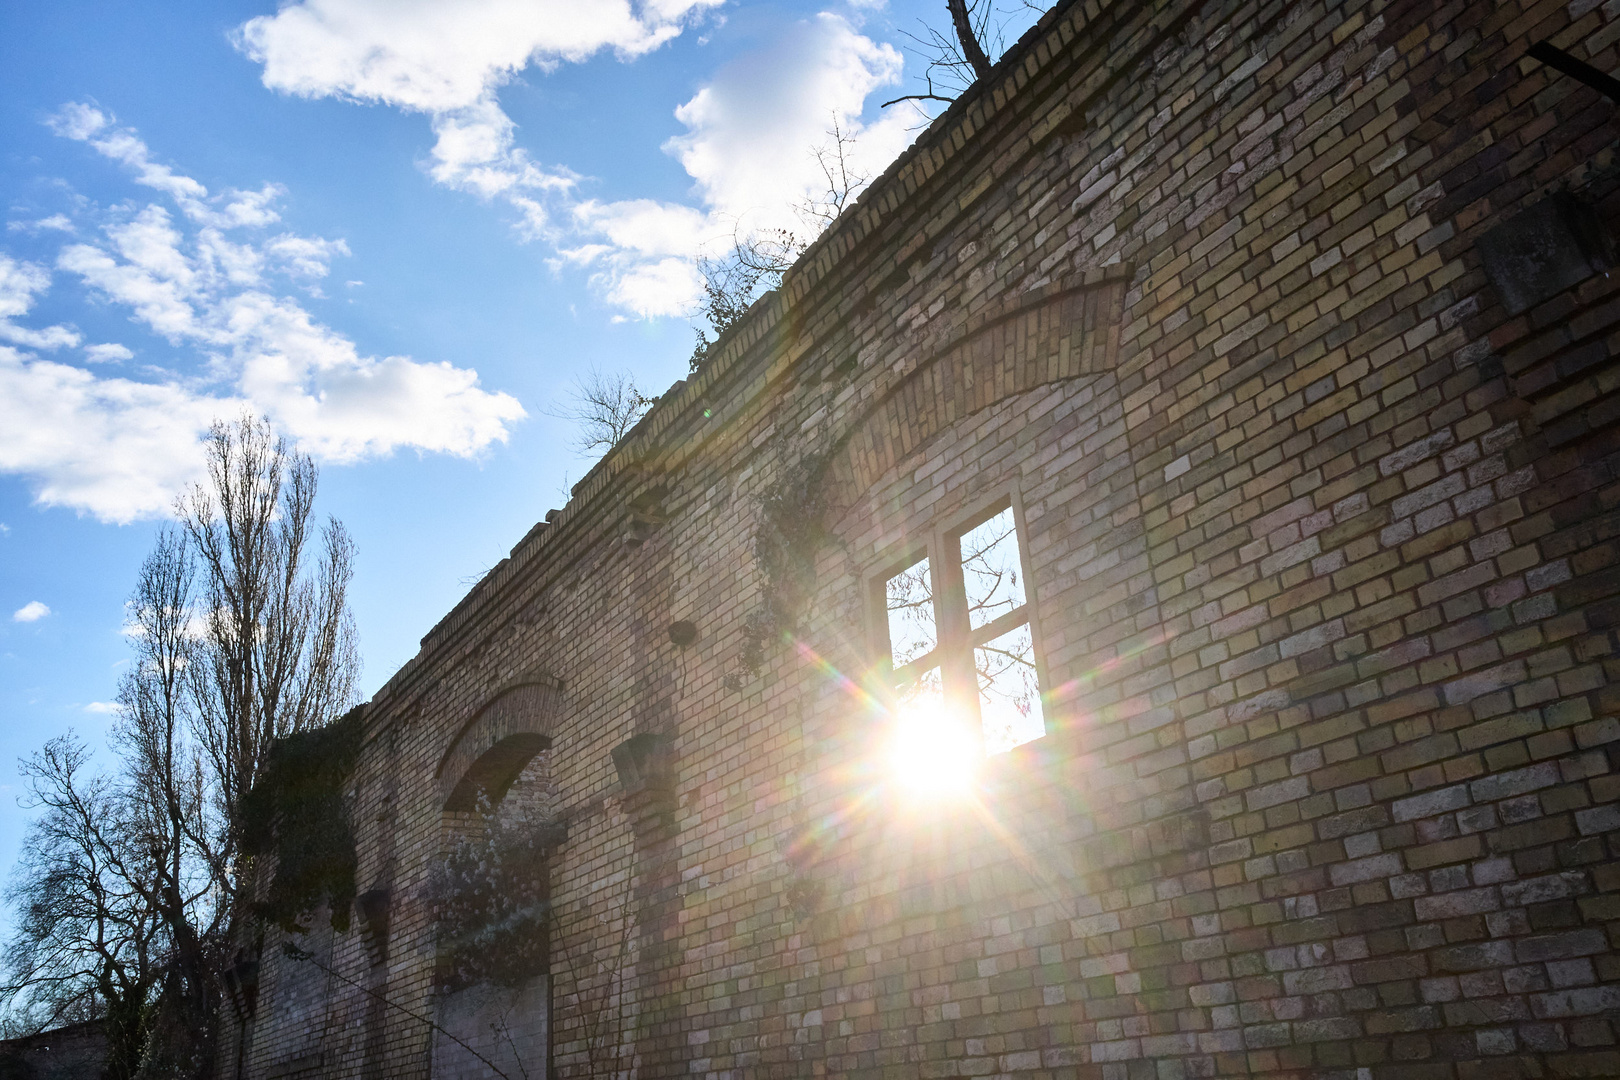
x=836 y=254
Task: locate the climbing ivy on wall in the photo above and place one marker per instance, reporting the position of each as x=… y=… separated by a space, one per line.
x=296 y=813
x=492 y=900
x=792 y=529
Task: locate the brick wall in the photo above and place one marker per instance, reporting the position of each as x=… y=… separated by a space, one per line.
x=65 y=1053
x=1321 y=550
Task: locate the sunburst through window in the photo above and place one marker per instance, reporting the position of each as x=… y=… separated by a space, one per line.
x=960 y=645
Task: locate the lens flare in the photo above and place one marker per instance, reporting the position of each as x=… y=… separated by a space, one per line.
x=933 y=753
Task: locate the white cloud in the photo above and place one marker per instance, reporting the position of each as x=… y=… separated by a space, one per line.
x=119 y=448
x=756 y=138
x=102 y=708
x=304 y=256
x=52 y=337
x=33 y=611
x=153 y=279
x=753 y=130
x=78 y=120
x=475 y=151
x=110 y=353
x=19 y=283
x=54 y=223
x=448 y=61
x=645 y=226
x=665 y=287
x=434 y=57
x=748 y=146
x=757 y=135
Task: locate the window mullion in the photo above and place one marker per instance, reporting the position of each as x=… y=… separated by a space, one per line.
x=955 y=638
x=910 y=673
x=1010 y=620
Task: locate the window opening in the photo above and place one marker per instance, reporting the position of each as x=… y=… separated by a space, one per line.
x=990 y=569
x=912 y=632
x=1009 y=694
x=963 y=627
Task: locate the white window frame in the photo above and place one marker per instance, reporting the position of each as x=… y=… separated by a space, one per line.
x=955 y=638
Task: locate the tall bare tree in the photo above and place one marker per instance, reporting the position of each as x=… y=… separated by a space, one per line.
x=169 y=799
x=276 y=651
x=241 y=635
x=967 y=35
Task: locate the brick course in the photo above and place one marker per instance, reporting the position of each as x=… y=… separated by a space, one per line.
x=1323 y=561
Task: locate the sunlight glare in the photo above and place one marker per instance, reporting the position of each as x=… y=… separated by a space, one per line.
x=933 y=753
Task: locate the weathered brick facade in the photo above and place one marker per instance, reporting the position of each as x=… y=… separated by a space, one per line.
x=1322 y=550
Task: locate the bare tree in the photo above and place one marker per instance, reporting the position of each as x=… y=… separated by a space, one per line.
x=276 y=651
x=170 y=801
x=967 y=35
x=240 y=637
x=603 y=407
x=88 y=940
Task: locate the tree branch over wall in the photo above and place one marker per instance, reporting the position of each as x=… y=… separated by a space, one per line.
x=967 y=39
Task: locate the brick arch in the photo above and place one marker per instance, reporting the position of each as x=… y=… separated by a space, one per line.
x=493 y=747
x=1042 y=337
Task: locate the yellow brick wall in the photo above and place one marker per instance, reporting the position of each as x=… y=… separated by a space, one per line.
x=1321 y=543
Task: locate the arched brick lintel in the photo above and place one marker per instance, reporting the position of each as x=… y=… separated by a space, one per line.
x=492 y=748
x=1050 y=336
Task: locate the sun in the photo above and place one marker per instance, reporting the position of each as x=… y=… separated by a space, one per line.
x=933 y=752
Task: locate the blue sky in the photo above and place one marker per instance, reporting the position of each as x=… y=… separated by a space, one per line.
x=398 y=229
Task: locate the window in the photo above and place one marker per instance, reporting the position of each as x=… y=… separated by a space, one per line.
x=957 y=622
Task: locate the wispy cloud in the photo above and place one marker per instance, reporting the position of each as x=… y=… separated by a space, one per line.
x=33 y=611
x=86 y=123
x=20 y=283
x=102 y=708
x=209 y=279
x=54 y=223
x=110 y=353
x=749 y=145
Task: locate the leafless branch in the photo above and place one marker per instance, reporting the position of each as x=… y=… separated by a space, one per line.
x=915 y=97
x=969 y=51
x=603 y=407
